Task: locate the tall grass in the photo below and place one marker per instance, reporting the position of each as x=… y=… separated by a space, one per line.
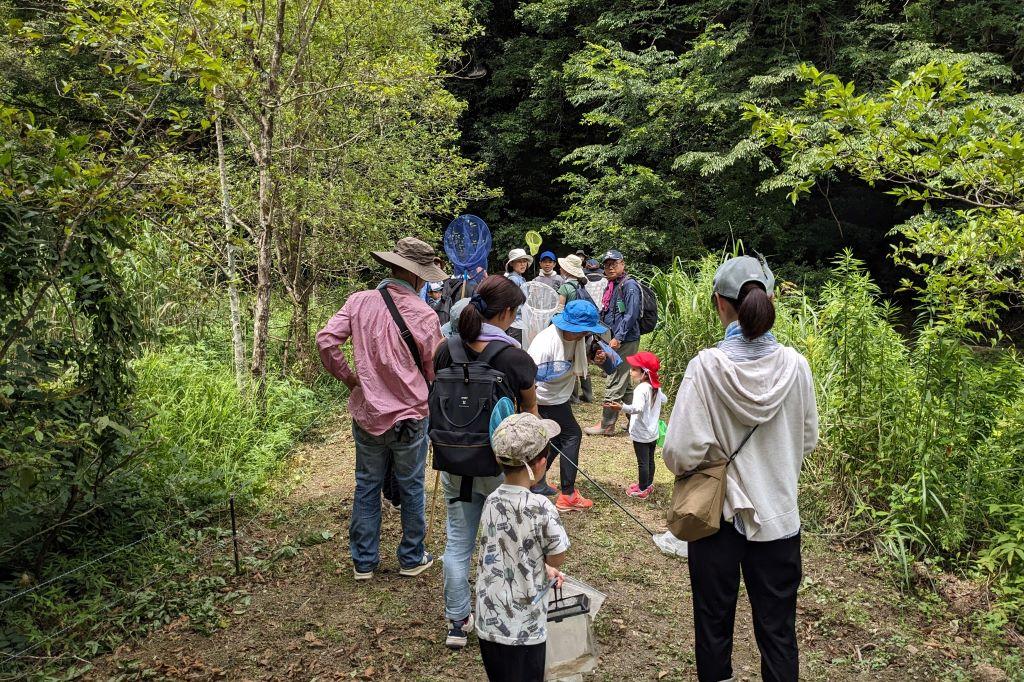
x=922 y=437
x=203 y=438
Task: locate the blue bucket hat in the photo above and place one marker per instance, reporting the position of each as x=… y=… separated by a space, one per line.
x=547 y=254
x=579 y=316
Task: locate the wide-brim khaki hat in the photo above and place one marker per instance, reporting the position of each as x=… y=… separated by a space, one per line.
x=416 y=256
x=572 y=265
x=518 y=254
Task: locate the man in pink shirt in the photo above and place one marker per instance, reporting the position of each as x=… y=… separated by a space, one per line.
x=388 y=403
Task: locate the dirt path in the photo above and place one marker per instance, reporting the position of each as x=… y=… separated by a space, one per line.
x=307 y=619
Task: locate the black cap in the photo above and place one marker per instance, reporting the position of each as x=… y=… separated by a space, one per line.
x=611 y=254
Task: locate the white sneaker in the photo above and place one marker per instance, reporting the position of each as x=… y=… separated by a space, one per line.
x=424 y=564
x=362 y=576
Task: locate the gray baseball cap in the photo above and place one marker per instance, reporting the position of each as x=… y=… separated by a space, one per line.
x=521 y=437
x=735 y=272
x=611 y=254
x=452 y=326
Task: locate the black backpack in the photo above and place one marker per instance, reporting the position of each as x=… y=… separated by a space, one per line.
x=451 y=293
x=648 y=308
x=461 y=401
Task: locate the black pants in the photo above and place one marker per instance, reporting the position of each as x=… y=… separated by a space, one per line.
x=645 y=463
x=507 y=663
x=584 y=390
x=771 y=573
x=568 y=441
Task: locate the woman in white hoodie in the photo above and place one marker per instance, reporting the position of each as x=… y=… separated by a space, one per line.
x=747 y=385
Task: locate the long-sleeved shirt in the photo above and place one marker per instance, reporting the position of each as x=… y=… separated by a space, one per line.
x=644 y=413
x=621 y=314
x=391 y=387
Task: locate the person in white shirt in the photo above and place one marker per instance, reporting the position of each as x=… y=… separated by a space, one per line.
x=560 y=352
x=644 y=417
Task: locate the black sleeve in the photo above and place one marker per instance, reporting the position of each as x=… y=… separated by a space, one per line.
x=517 y=365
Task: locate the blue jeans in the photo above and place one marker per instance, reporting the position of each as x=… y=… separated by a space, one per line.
x=409 y=450
x=461 y=528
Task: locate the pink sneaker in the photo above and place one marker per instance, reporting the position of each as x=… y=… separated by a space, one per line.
x=644 y=494
x=633 y=489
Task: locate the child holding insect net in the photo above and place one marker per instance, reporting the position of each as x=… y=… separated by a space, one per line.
x=522 y=545
x=644 y=416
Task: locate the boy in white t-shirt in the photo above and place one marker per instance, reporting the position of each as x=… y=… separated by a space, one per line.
x=522 y=545
x=645 y=415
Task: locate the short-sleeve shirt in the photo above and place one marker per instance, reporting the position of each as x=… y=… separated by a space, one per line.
x=517 y=530
x=518 y=367
x=570 y=290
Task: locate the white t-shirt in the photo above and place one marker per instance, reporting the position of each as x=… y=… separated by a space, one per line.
x=549 y=346
x=517 y=530
x=644 y=413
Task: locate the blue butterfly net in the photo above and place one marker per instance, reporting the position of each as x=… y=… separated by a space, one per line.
x=467 y=241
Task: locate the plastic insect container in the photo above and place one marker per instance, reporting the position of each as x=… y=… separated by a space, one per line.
x=572 y=647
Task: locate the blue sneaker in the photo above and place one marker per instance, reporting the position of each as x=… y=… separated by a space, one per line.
x=424 y=564
x=458 y=636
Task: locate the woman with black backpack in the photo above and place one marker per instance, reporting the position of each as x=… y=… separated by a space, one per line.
x=746 y=404
x=483 y=322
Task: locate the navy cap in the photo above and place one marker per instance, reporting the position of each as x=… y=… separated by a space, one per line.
x=547 y=254
x=611 y=254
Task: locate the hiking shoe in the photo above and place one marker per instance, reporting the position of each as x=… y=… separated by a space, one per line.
x=362 y=575
x=600 y=430
x=458 y=635
x=544 y=488
x=645 y=493
x=424 y=564
x=574 y=502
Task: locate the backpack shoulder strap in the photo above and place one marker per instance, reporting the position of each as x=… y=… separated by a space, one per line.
x=491 y=351
x=457 y=350
x=403 y=329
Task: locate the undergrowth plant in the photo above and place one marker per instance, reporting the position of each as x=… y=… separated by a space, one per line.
x=922 y=435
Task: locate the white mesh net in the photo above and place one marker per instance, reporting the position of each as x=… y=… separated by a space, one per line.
x=541 y=302
x=596 y=290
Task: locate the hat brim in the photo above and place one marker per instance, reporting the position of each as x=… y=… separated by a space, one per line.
x=551 y=427
x=559 y=321
x=429 y=273
x=571 y=269
x=528 y=258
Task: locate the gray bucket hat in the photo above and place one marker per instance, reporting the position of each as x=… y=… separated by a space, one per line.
x=735 y=272
x=416 y=256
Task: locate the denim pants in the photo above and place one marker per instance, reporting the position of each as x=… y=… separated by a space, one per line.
x=461 y=529
x=408 y=448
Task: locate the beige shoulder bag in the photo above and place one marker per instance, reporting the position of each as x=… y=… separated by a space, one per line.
x=698 y=497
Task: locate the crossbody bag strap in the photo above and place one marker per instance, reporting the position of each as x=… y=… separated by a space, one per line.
x=742 y=443
x=403 y=329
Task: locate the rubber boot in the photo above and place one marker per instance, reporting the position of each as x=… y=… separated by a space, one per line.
x=607 y=425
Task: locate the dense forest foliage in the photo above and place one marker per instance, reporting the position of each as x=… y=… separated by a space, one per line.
x=188 y=190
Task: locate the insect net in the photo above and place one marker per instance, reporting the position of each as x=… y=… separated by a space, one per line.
x=596 y=290
x=540 y=306
x=467 y=241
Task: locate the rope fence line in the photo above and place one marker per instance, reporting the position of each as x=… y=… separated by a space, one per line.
x=218 y=545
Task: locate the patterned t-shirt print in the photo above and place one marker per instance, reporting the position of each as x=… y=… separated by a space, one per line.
x=517 y=530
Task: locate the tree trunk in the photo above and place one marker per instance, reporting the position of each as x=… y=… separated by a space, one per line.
x=237 y=339
x=265 y=236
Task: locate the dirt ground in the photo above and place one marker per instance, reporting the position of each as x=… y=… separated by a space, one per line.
x=308 y=619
